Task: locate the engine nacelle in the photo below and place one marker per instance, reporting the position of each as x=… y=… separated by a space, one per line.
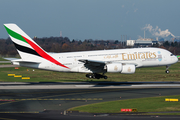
x=128 y=69
x=114 y=67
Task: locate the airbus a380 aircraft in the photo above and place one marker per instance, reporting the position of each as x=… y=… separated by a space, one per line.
x=92 y=62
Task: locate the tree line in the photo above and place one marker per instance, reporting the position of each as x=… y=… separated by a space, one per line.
x=64 y=44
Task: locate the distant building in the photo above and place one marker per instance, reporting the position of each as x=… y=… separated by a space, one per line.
x=145 y=39
x=141 y=43
x=130 y=42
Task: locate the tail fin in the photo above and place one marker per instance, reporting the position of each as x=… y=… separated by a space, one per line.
x=23 y=43
x=26 y=47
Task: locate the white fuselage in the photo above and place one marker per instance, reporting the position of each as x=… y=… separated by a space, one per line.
x=140 y=57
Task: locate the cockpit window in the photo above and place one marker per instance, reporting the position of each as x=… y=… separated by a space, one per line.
x=171 y=54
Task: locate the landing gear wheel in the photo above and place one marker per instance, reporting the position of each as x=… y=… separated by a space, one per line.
x=96 y=76
x=167 y=71
x=89 y=76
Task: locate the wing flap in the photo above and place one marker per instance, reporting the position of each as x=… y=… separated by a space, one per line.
x=92 y=62
x=94 y=65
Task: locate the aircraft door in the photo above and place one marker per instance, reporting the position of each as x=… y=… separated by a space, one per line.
x=75 y=62
x=164 y=57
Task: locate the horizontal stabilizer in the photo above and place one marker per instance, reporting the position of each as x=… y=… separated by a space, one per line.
x=10 y=59
x=28 y=62
x=25 y=61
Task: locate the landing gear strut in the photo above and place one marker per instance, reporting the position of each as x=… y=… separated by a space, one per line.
x=167 y=71
x=96 y=76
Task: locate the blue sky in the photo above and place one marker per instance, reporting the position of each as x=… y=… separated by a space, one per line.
x=92 y=19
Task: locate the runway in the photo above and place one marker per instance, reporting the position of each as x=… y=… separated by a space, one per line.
x=86 y=85
x=5 y=66
x=51 y=103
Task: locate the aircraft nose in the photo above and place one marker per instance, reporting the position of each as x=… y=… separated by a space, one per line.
x=177 y=59
x=174 y=59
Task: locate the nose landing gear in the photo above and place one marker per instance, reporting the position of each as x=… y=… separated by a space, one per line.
x=167 y=71
x=96 y=76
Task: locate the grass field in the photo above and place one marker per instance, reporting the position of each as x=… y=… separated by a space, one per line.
x=5 y=63
x=1 y=59
x=151 y=104
x=142 y=74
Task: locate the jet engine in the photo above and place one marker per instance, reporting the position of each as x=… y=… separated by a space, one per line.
x=114 y=67
x=128 y=69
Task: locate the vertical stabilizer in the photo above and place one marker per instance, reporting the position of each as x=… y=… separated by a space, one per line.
x=26 y=47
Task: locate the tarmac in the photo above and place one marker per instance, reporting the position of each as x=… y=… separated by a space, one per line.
x=86 y=85
x=46 y=103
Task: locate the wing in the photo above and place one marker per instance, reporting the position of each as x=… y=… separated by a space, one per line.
x=101 y=66
x=94 y=65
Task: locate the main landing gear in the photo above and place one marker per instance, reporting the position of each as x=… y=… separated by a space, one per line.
x=96 y=76
x=167 y=71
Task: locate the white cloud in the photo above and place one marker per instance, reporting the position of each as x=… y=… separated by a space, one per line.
x=157 y=32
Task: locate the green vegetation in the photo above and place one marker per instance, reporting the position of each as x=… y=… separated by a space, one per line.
x=151 y=104
x=5 y=63
x=1 y=59
x=142 y=74
x=37 y=75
